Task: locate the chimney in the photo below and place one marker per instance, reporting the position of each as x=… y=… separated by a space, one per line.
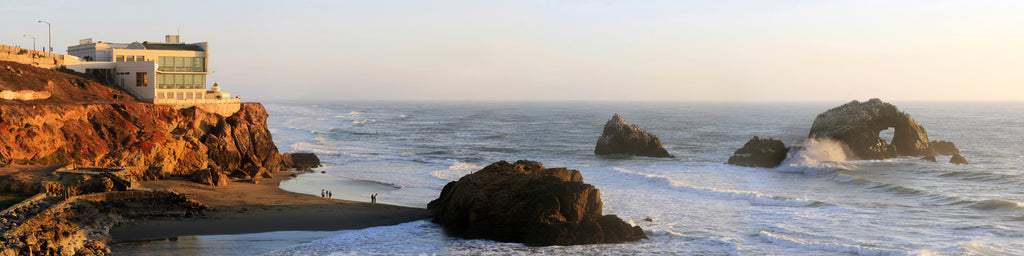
x=172 y=39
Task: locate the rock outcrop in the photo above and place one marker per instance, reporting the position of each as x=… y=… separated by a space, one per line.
x=209 y=177
x=81 y=225
x=957 y=159
x=301 y=161
x=89 y=124
x=757 y=152
x=858 y=124
x=942 y=147
x=527 y=203
x=621 y=138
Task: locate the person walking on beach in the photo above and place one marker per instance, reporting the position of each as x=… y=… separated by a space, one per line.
x=373 y=198
x=330 y=194
x=323 y=193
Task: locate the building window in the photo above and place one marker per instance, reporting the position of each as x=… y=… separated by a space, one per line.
x=140 y=79
x=120 y=58
x=181 y=81
x=182 y=64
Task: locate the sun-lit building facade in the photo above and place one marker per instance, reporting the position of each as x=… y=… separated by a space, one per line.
x=166 y=72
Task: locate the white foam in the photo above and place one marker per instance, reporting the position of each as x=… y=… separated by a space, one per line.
x=816 y=156
x=754 y=198
x=456 y=171
x=804 y=245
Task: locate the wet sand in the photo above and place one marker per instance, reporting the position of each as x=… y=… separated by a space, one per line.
x=243 y=207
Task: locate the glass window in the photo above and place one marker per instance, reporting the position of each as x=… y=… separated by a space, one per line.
x=120 y=58
x=141 y=79
x=179 y=62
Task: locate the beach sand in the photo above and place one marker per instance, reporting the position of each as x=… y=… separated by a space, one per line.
x=243 y=207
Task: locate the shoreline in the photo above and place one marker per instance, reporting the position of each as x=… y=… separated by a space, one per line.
x=243 y=208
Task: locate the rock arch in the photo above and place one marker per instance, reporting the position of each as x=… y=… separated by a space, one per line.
x=858 y=124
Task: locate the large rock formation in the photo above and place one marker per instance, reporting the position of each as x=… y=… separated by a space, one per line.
x=90 y=124
x=857 y=124
x=945 y=147
x=621 y=138
x=527 y=203
x=759 y=152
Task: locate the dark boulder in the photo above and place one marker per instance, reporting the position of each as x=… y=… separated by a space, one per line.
x=957 y=159
x=301 y=161
x=768 y=153
x=858 y=124
x=945 y=147
x=527 y=203
x=621 y=138
x=210 y=177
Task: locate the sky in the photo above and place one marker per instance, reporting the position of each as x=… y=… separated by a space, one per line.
x=595 y=50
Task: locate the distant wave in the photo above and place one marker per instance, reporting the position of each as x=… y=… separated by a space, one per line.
x=817 y=156
x=754 y=198
x=997 y=205
x=804 y=245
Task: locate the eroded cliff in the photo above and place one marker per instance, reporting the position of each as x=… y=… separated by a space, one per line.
x=87 y=123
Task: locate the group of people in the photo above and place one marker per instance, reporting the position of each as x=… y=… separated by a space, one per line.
x=326 y=194
x=373 y=198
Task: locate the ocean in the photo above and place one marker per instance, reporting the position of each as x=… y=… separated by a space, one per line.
x=816 y=203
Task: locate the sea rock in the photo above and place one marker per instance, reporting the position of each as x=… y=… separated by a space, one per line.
x=929 y=158
x=210 y=177
x=524 y=202
x=621 y=138
x=858 y=124
x=757 y=152
x=302 y=161
x=957 y=159
x=945 y=147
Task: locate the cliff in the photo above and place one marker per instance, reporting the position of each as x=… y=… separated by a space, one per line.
x=86 y=123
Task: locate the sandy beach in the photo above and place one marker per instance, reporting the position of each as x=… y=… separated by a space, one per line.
x=244 y=207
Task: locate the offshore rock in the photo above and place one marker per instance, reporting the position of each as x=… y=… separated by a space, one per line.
x=621 y=138
x=945 y=147
x=527 y=203
x=757 y=152
x=957 y=159
x=929 y=159
x=858 y=124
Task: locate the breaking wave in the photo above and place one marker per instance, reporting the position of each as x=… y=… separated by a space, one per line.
x=817 y=156
x=754 y=198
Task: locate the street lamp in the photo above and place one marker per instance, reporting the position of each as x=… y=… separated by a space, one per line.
x=33 y=41
x=49 y=34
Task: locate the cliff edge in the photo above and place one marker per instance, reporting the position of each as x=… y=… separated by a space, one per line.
x=86 y=123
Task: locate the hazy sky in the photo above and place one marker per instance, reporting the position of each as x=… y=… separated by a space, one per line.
x=715 y=50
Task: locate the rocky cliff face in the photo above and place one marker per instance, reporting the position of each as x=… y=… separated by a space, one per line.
x=90 y=124
x=527 y=203
x=857 y=124
x=621 y=138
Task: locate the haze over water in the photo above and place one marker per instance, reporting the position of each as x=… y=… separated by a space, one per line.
x=809 y=206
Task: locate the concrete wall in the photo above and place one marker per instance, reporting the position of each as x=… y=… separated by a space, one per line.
x=223 y=107
x=31 y=57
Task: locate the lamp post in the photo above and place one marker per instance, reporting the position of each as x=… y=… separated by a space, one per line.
x=33 y=41
x=49 y=34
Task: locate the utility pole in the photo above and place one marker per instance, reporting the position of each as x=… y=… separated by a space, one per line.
x=49 y=34
x=33 y=42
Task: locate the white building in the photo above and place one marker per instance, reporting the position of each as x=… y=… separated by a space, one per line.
x=170 y=72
